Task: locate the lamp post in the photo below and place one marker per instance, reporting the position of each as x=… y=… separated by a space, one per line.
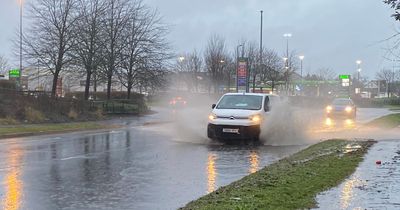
x=358 y=62
x=301 y=57
x=20 y=42
x=287 y=36
x=261 y=51
x=237 y=65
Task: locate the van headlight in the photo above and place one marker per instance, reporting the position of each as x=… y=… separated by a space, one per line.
x=349 y=109
x=212 y=116
x=255 y=118
x=329 y=109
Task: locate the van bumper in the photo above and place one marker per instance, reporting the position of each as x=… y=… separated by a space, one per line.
x=244 y=132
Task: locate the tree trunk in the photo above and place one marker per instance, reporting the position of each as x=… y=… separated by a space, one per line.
x=254 y=82
x=87 y=84
x=54 y=87
x=129 y=89
x=109 y=81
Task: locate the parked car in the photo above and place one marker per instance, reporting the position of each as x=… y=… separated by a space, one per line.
x=238 y=116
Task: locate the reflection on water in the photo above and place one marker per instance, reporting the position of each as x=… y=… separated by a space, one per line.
x=346 y=124
x=12 y=182
x=211 y=173
x=347 y=192
x=254 y=162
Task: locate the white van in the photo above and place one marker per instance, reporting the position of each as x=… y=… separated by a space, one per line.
x=239 y=116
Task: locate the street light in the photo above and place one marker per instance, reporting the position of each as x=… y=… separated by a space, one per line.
x=358 y=62
x=237 y=64
x=181 y=58
x=301 y=57
x=287 y=36
x=20 y=41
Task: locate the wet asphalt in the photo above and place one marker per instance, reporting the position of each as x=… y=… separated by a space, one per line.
x=372 y=186
x=129 y=168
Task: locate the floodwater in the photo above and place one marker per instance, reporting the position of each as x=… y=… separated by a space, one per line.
x=372 y=186
x=151 y=163
x=131 y=168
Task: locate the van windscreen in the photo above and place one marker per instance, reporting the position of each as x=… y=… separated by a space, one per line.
x=246 y=102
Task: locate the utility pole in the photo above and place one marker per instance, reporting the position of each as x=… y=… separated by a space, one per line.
x=20 y=45
x=261 y=51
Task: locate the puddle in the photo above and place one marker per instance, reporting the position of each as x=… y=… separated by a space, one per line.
x=372 y=186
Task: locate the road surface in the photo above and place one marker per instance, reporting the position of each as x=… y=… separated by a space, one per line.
x=149 y=164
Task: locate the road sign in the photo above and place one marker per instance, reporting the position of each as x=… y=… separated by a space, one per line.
x=344 y=76
x=14 y=73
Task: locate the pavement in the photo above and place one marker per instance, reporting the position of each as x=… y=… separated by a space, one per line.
x=374 y=185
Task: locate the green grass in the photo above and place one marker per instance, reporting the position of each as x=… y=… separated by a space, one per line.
x=394 y=108
x=291 y=183
x=388 y=121
x=33 y=129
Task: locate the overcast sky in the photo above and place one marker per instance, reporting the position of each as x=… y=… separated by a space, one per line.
x=330 y=33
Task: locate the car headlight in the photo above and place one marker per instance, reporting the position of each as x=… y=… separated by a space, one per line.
x=349 y=109
x=329 y=108
x=212 y=116
x=255 y=118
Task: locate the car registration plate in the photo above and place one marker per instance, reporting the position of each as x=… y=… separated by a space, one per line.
x=230 y=130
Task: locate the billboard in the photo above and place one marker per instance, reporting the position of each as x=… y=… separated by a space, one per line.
x=242 y=75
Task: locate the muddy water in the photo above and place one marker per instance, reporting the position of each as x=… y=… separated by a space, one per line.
x=372 y=186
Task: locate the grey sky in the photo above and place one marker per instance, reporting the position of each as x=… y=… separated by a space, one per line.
x=330 y=33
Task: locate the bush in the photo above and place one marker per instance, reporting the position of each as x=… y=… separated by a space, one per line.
x=72 y=114
x=8 y=121
x=7 y=84
x=33 y=115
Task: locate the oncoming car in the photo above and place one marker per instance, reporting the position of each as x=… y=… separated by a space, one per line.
x=342 y=107
x=238 y=116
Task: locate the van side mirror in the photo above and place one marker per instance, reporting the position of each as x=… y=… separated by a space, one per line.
x=267 y=108
x=213 y=106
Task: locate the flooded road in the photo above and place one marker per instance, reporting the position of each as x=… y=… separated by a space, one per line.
x=372 y=186
x=124 y=169
x=138 y=167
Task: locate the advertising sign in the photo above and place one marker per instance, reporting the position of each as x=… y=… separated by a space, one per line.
x=242 y=75
x=14 y=73
x=345 y=80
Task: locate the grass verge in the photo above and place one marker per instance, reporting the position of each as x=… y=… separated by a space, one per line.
x=35 y=129
x=388 y=121
x=291 y=183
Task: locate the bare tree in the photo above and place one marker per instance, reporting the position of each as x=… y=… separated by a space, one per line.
x=188 y=67
x=3 y=65
x=252 y=55
x=88 y=38
x=272 y=68
x=387 y=76
x=50 y=38
x=115 y=22
x=214 y=57
x=326 y=74
x=146 y=50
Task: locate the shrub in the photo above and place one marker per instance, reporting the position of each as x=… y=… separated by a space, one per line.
x=72 y=114
x=8 y=121
x=33 y=115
